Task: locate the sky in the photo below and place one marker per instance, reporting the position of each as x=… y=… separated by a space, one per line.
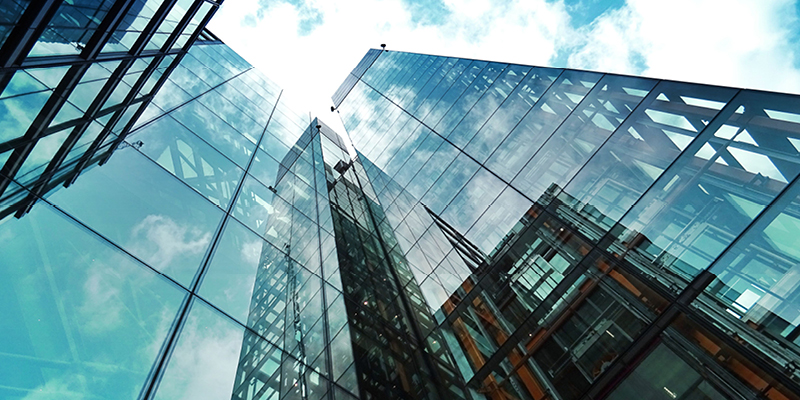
x=308 y=47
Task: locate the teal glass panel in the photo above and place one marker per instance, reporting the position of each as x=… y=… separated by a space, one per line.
x=475 y=197
x=21 y=83
x=400 y=80
x=264 y=212
x=17 y=114
x=232 y=114
x=432 y=170
x=211 y=128
x=639 y=152
x=146 y=211
x=170 y=96
x=499 y=220
x=200 y=68
x=50 y=77
x=197 y=18
x=477 y=102
x=84 y=94
x=396 y=129
x=430 y=86
x=451 y=181
x=540 y=122
x=68 y=112
x=499 y=124
x=101 y=70
x=581 y=134
x=125 y=118
x=89 y=135
x=188 y=81
x=418 y=159
x=265 y=169
x=122 y=90
x=132 y=25
x=417 y=82
x=155 y=76
x=150 y=113
x=755 y=292
x=260 y=91
x=167 y=26
x=272 y=145
x=449 y=75
x=458 y=86
x=190 y=159
x=492 y=98
x=206 y=357
x=230 y=90
x=239 y=258
x=40 y=157
x=395 y=157
x=75 y=309
x=719 y=184
x=71 y=28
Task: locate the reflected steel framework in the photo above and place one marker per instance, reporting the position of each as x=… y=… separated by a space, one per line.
x=657 y=223
x=108 y=23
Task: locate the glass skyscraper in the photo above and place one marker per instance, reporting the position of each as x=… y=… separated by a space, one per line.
x=581 y=235
x=164 y=214
x=171 y=229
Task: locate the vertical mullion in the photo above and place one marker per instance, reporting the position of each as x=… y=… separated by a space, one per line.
x=27 y=31
x=90 y=115
x=152 y=26
x=106 y=28
x=35 y=131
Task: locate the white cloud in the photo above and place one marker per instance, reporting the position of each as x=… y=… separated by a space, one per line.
x=734 y=43
x=311 y=67
x=160 y=240
x=204 y=363
x=101 y=307
x=737 y=43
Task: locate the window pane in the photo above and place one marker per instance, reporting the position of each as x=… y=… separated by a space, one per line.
x=74 y=310
x=145 y=210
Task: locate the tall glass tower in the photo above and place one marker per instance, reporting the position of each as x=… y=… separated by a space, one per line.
x=580 y=235
x=165 y=225
x=171 y=229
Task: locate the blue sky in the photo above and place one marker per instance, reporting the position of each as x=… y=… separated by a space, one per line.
x=308 y=46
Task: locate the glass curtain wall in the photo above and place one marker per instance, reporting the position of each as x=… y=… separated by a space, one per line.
x=69 y=93
x=192 y=256
x=397 y=354
x=572 y=230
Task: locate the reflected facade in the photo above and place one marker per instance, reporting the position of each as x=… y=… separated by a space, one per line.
x=171 y=229
x=580 y=235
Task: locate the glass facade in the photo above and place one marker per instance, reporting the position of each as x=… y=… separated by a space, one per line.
x=171 y=229
x=580 y=235
x=165 y=228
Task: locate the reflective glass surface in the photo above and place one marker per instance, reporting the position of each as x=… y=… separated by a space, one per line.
x=555 y=220
x=75 y=308
x=170 y=227
x=218 y=197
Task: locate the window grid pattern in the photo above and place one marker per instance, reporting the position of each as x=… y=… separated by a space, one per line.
x=536 y=205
